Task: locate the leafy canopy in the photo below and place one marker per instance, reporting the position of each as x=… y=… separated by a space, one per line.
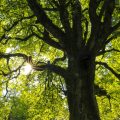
x=40 y=94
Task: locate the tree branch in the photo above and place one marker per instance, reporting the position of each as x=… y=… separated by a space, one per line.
x=4 y=36
x=115 y=27
x=99 y=91
x=103 y=8
x=12 y=71
x=92 y=12
x=76 y=18
x=110 y=6
x=54 y=68
x=100 y=29
x=105 y=51
x=109 y=68
x=47 y=39
x=110 y=39
x=95 y=25
x=44 y=20
x=64 y=15
x=7 y=56
x=59 y=59
x=17 y=38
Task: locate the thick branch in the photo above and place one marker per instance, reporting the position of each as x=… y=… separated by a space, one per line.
x=44 y=20
x=64 y=15
x=95 y=25
x=76 y=18
x=108 y=15
x=50 y=41
x=100 y=30
x=109 y=68
x=92 y=12
x=54 y=68
x=99 y=91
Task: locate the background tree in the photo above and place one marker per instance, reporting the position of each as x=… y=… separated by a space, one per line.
x=72 y=39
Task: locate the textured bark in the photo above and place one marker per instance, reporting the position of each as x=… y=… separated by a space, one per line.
x=81 y=98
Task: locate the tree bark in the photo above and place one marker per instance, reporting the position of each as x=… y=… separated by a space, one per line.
x=81 y=98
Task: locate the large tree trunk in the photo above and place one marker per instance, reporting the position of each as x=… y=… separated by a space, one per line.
x=81 y=98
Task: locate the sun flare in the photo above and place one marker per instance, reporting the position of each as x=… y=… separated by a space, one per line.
x=27 y=69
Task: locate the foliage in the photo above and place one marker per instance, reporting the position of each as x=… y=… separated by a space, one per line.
x=40 y=94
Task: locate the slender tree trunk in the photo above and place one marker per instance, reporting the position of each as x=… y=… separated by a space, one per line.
x=81 y=98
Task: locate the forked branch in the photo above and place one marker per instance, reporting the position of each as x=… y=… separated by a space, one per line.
x=43 y=19
x=109 y=68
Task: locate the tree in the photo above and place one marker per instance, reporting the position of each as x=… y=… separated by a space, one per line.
x=79 y=30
